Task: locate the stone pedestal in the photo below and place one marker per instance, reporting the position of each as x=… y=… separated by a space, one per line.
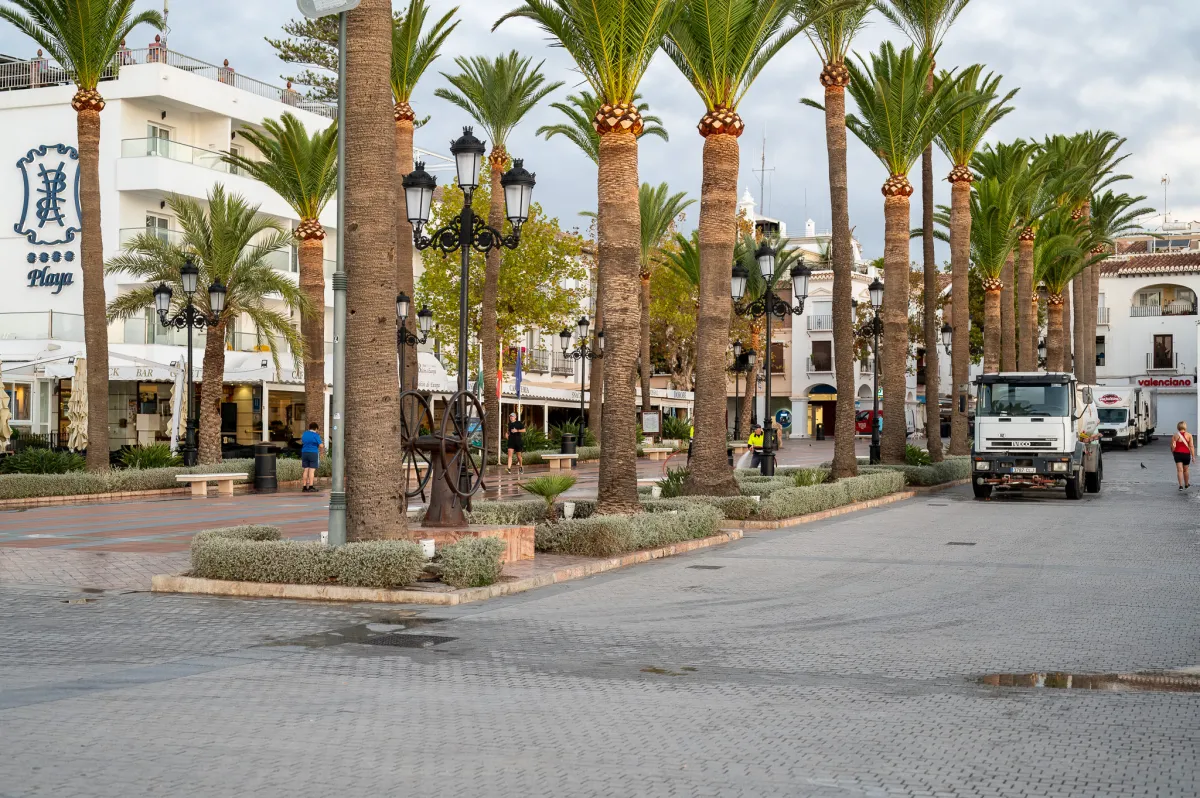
x=518 y=538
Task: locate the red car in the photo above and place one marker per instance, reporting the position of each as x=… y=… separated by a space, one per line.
x=862 y=421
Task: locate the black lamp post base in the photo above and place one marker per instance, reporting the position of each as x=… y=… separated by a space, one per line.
x=876 y=457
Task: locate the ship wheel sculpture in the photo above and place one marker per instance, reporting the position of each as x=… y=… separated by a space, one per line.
x=416 y=419
x=461 y=438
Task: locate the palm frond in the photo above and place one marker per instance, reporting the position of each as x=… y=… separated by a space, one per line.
x=965 y=130
x=684 y=260
x=578 y=129
x=497 y=93
x=925 y=22
x=413 y=48
x=659 y=209
x=834 y=24
x=1114 y=216
x=301 y=169
x=995 y=213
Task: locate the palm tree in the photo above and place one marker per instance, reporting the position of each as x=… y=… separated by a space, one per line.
x=413 y=50
x=961 y=137
x=1114 y=216
x=83 y=37
x=374 y=500
x=301 y=169
x=926 y=23
x=1061 y=252
x=612 y=43
x=897 y=119
x=581 y=131
x=659 y=210
x=994 y=212
x=231 y=244
x=834 y=27
x=497 y=94
x=721 y=46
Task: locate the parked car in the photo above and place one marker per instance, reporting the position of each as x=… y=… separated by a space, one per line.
x=862 y=421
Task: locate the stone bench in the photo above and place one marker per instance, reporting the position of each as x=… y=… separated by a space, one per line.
x=556 y=461
x=199 y=482
x=658 y=452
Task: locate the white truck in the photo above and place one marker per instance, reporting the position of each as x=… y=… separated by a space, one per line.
x=1128 y=415
x=1035 y=431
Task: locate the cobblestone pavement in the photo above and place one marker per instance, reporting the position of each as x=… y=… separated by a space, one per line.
x=835 y=659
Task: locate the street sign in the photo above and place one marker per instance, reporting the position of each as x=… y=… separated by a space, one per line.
x=783 y=417
x=324 y=8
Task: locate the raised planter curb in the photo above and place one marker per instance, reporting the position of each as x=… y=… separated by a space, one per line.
x=845 y=509
x=92 y=498
x=217 y=587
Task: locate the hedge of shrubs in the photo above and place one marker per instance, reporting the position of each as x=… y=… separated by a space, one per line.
x=792 y=502
x=472 y=562
x=607 y=535
x=951 y=469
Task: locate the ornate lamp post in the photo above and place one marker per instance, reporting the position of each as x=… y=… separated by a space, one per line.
x=190 y=318
x=456 y=475
x=403 y=336
x=743 y=363
x=947 y=337
x=582 y=353
x=873 y=329
x=768 y=305
x=1041 y=349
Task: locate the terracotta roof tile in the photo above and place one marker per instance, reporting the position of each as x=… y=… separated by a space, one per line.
x=1133 y=247
x=1173 y=263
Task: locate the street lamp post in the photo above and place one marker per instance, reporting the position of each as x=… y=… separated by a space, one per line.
x=743 y=363
x=403 y=336
x=464 y=233
x=768 y=305
x=190 y=318
x=582 y=353
x=873 y=328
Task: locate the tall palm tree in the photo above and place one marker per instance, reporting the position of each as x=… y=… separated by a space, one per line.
x=1114 y=216
x=83 y=37
x=961 y=137
x=1061 y=252
x=994 y=212
x=926 y=23
x=413 y=49
x=659 y=209
x=612 y=43
x=497 y=93
x=302 y=170
x=896 y=120
x=721 y=46
x=374 y=500
x=230 y=243
x=831 y=33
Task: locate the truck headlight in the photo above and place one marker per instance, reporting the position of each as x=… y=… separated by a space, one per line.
x=1058 y=466
x=983 y=465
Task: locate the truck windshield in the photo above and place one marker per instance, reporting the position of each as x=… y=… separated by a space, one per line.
x=1023 y=399
x=1112 y=415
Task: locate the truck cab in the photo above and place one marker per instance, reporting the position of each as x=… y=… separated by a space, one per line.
x=1035 y=431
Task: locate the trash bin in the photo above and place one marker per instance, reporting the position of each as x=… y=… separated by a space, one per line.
x=729 y=454
x=265 y=472
x=820 y=432
x=568 y=443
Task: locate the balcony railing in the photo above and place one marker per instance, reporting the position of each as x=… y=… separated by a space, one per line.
x=282 y=260
x=1160 y=362
x=866 y=366
x=820 y=365
x=1102 y=316
x=821 y=322
x=175 y=151
x=36 y=326
x=1169 y=309
x=39 y=72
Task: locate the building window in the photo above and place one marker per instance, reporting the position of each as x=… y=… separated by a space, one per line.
x=1164 y=352
x=1148 y=298
x=233 y=168
x=777 y=358
x=822 y=356
x=158 y=140
x=1099 y=350
x=19 y=401
x=158 y=226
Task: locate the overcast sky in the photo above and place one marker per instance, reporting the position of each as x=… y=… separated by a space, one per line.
x=1132 y=66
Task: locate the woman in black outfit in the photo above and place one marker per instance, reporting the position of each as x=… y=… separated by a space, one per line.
x=516 y=442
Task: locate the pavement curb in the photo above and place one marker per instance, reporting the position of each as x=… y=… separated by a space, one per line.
x=240 y=489
x=167 y=583
x=845 y=509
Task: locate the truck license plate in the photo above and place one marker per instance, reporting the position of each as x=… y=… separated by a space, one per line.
x=1024 y=470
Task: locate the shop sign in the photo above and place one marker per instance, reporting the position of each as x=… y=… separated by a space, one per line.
x=1109 y=399
x=50 y=214
x=1167 y=382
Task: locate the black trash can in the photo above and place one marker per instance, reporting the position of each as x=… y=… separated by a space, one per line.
x=568 y=443
x=820 y=432
x=265 y=472
x=729 y=454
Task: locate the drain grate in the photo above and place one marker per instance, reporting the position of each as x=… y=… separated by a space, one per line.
x=706 y=567
x=959 y=543
x=397 y=640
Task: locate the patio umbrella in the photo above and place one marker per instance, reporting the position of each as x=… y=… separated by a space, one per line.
x=77 y=419
x=5 y=415
x=177 y=392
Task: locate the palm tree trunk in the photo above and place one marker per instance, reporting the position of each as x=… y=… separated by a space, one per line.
x=488 y=333
x=1080 y=287
x=373 y=497
x=1026 y=305
x=1008 y=325
x=1068 y=360
x=212 y=394
x=1055 y=337
x=619 y=250
x=960 y=260
x=595 y=387
x=896 y=210
x=845 y=463
x=710 y=474
x=992 y=294
x=95 y=318
x=747 y=408
x=933 y=415
x=405 y=281
x=1088 y=311
x=1093 y=320
x=312 y=329
x=644 y=357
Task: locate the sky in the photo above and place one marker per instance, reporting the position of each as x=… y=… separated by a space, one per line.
x=1131 y=66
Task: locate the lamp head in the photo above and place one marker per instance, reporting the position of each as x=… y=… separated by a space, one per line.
x=418 y=195
x=403 y=305
x=876 y=291
x=564 y=340
x=765 y=255
x=947 y=335
x=800 y=275
x=737 y=348
x=468 y=153
x=600 y=340
x=518 y=185
x=216 y=298
x=738 y=282
x=162 y=298
x=425 y=320
x=189 y=275
x=582 y=326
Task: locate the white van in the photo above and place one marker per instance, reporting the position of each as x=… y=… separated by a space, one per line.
x=1127 y=415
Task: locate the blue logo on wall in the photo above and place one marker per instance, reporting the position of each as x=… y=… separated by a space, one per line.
x=783 y=417
x=50 y=211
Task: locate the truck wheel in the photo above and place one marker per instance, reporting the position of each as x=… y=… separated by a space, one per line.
x=1128 y=444
x=1074 y=489
x=981 y=491
x=1091 y=482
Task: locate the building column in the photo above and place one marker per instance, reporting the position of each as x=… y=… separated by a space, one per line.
x=264 y=412
x=545 y=419
x=800 y=417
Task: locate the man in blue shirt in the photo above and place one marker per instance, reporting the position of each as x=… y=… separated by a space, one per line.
x=310 y=456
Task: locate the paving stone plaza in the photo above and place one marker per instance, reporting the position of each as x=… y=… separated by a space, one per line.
x=839 y=658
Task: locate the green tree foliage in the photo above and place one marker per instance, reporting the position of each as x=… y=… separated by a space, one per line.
x=312 y=44
x=673 y=325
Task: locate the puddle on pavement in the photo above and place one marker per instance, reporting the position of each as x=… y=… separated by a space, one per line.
x=685 y=670
x=368 y=632
x=1113 y=682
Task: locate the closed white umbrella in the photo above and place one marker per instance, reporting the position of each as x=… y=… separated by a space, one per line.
x=177 y=392
x=5 y=414
x=77 y=416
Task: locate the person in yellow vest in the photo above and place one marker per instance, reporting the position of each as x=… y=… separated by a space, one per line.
x=755 y=442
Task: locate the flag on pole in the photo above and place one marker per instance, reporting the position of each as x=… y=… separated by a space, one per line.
x=520 y=356
x=479 y=377
x=499 y=371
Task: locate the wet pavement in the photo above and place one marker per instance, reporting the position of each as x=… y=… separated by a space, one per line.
x=842 y=658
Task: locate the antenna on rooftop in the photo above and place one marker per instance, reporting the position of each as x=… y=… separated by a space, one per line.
x=1166 y=181
x=166 y=13
x=762 y=176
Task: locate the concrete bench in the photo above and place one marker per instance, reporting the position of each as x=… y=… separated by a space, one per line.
x=199 y=482
x=556 y=461
x=658 y=452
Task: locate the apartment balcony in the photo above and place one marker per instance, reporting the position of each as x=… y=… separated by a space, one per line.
x=1102 y=317
x=820 y=323
x=866 y=366
x=1158 y=363
x=281 y=260
x=1169 y=309
x=41 y=325
x=820 y=365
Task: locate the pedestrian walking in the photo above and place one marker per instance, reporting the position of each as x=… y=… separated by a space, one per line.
x=1183 y=449
x=310 y=456
x=755 y=441
x=516 y=443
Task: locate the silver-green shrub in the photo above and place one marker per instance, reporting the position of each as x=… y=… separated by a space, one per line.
x=735 y=507
x=516 y=513
x=607 y=535
x=472 y=562
x=377 y=563
x=951 y=469
x=794 y=502
x=275 y=561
